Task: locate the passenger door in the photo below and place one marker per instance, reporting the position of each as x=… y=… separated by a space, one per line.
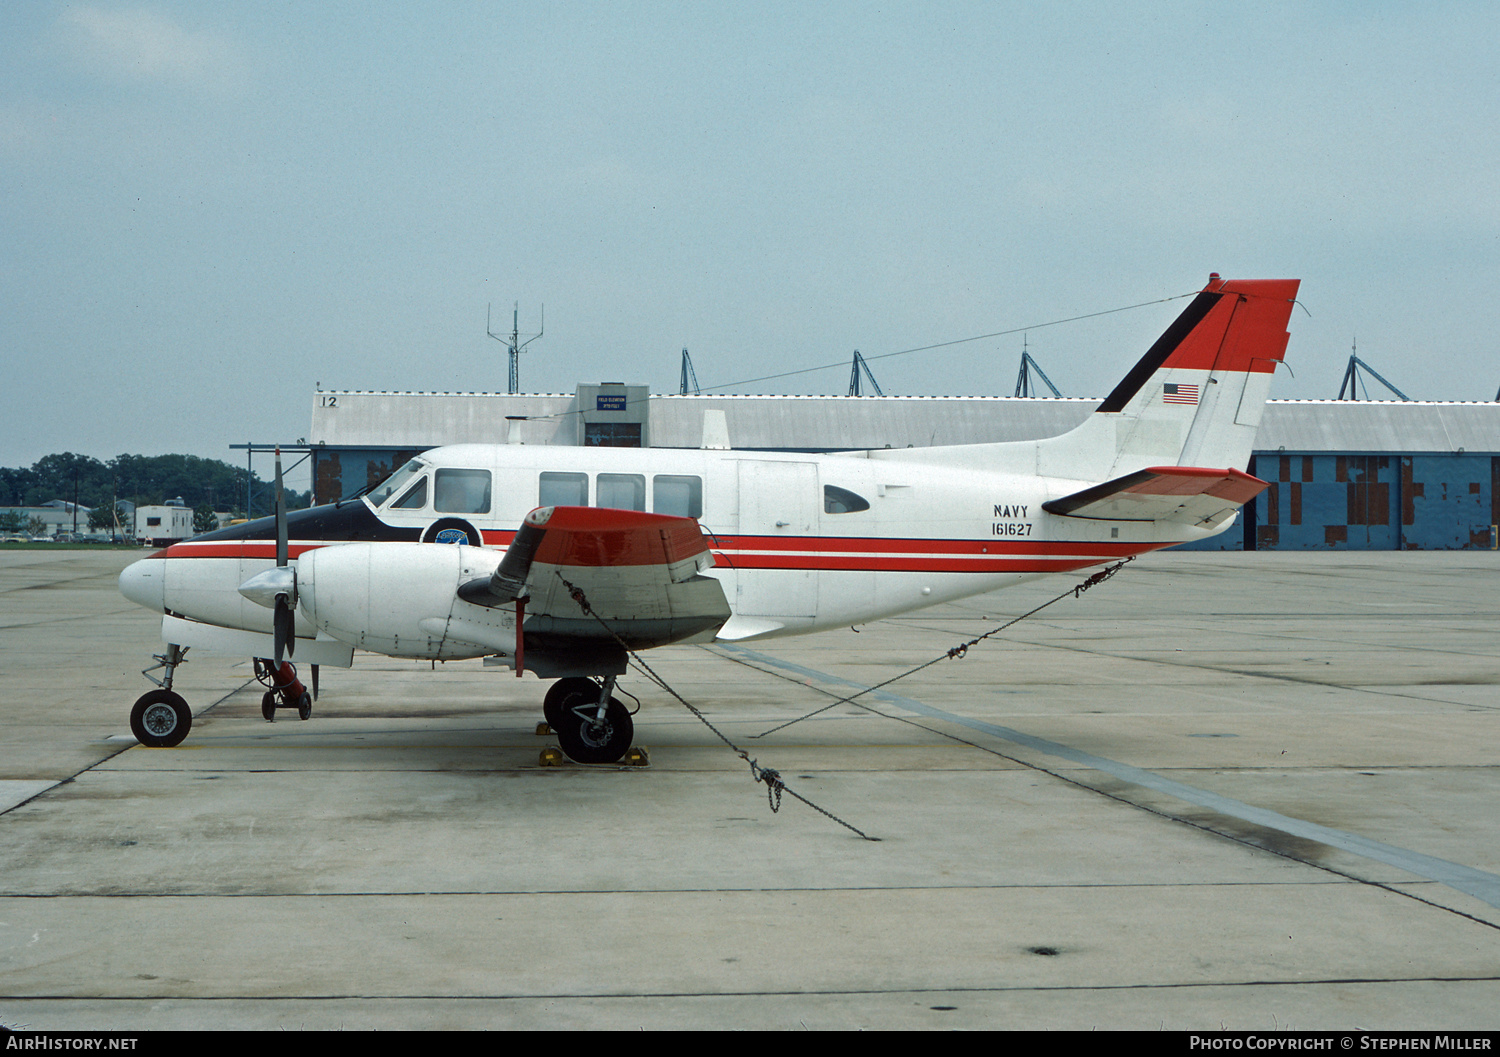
x=780 y=505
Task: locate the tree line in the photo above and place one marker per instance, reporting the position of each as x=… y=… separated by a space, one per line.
x=145 y=480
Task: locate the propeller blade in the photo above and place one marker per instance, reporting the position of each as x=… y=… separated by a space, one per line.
x=282 y=623
x=281 y=541
x=282 y=629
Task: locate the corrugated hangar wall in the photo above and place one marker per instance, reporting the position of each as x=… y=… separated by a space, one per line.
x=1369 y=502
x=1373 y=475
x=1345 y=475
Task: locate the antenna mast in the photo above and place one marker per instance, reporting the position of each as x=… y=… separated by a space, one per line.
x=1352 y=379
x=854 y=383
x=689 y=381
x=514 y=345
x=1023 y=380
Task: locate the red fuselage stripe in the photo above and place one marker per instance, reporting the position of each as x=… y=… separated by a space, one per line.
x=818 y=552
x=881 y=545
x=999 y=563
x=236 y=549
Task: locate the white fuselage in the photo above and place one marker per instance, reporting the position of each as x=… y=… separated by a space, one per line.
x=800 y=542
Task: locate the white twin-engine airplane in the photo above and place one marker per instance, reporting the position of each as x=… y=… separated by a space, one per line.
x=568 y=557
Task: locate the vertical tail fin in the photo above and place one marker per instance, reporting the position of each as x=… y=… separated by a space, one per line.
x=1196 y=397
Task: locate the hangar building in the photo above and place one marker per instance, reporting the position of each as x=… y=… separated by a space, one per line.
x=1345 y=475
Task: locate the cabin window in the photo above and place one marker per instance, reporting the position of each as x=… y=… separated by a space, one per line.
x=396 y=481
x=842 y=501
x=563 y=489
x=679 y=496
x=461 y=492
x=414 y=499
x=622 y=491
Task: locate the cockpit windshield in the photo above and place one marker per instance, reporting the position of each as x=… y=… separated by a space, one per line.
x=395 y=483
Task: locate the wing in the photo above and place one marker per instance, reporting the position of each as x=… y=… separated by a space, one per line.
x=1189 y=494
x=218 y=639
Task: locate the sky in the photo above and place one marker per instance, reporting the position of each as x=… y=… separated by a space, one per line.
x=209 y=210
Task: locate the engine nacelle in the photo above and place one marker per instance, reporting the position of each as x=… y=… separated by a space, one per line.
x=401 y=599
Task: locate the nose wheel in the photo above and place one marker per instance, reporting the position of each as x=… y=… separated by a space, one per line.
x=160 y=719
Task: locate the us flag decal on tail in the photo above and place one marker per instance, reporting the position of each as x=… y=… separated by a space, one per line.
x=1177 y=393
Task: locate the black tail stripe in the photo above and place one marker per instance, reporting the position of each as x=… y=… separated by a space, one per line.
x=1069 y=503
x=1158 y=353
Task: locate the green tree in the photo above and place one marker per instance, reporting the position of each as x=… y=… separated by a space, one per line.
x=14 y=484
x=66 y=475
x=143 y=479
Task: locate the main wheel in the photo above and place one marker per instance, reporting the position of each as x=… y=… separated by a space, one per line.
x=160 y=719
x=586 y=741
x=268 y=705
x=552 y=704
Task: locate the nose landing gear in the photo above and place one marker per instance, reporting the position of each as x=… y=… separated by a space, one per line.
x=161 y=719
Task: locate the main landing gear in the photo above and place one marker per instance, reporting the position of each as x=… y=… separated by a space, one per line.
x=283 y=689
x=591 y=725
x=161 y=719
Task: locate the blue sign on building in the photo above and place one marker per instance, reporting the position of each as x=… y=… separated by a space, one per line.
x=609 y=402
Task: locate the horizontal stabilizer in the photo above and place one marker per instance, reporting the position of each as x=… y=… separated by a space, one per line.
x=1191 y=495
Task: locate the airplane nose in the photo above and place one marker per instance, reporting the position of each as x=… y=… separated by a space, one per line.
x=144 y=583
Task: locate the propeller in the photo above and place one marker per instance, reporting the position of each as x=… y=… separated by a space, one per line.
x=276 y=589
x=282 y=622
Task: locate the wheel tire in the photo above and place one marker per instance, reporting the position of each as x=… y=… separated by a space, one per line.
x=304 y=706
x=268 y=705
x=452 y=530
x=552 y=704
x=160 y=719
x=586 y=743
